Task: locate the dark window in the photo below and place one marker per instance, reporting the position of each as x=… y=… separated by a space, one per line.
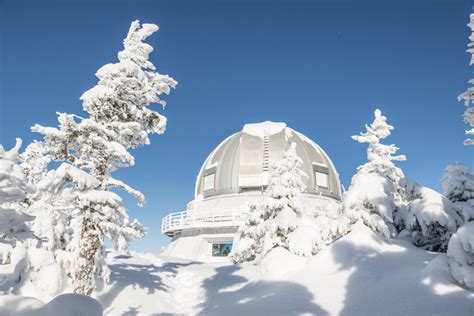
x=221 y=250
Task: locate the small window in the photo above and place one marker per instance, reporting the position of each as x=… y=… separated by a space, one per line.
x=221 y=250
x=322 y=180
x=209 y=181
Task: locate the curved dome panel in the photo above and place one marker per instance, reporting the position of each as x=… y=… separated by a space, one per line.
x=243 y=162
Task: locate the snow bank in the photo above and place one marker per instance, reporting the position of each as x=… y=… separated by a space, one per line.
x=279 y=262
x=62 y=305
x=72 y=305
x=359 y=274
x=363 y=274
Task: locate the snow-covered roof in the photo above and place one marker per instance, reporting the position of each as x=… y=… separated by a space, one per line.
x=264 y=128
x=243 y=161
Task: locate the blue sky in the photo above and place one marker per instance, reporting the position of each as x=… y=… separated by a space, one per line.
x=320 y=66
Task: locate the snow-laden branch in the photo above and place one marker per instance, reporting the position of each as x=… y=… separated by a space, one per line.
x=114 y=183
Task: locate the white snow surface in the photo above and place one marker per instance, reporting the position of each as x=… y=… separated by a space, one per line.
x=360 y=274
x=264 y=128
x=62 y=305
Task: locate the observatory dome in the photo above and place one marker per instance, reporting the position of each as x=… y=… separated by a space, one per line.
x=243 y=161
x=235 y=174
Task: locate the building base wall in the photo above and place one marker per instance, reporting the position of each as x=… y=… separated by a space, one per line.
x=197 y=244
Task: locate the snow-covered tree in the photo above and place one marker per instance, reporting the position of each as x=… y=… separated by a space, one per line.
x=468 y=95
x=13 y=188
x=380 y=156
x=247 y=244
x=375 y=192
x=429 y=218
x=280 y=220
x=458 y=185
x=50 y=207
x=370 y=200
x=461 y=255
x=119 y=119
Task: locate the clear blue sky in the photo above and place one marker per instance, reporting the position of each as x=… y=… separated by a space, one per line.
x=320 y=66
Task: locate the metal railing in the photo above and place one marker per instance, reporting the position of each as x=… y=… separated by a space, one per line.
x=209 y=218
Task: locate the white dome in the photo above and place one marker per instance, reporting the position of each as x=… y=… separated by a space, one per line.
x=243 y=161
x=234 y=175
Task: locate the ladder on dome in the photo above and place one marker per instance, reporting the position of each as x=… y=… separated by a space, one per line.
x=266 y=153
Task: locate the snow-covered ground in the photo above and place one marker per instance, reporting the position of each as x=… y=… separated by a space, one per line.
x=360 y=274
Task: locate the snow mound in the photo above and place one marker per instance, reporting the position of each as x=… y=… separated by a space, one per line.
x=263 y=129
x=73 y=305
x=62 y=305
x=354 y=248
x=280 y=261
x=19 y=305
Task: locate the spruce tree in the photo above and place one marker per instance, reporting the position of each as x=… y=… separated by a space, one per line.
x=13 y=189
x=468 y=96
x=119 y=119
x=375 y=191
x=280 y=219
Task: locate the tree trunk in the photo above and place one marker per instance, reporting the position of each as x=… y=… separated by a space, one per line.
x=90 y=246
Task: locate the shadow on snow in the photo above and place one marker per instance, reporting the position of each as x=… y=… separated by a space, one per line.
x=230 y=294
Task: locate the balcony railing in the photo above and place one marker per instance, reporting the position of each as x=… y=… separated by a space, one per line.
x=210 y=218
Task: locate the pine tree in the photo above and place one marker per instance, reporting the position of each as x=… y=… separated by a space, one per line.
x=468 y=95
x=375 y=191
x=280 y=220
x=13 y=188
x=430 y=218
x=119 y=119
x=380 y=156
x=50 y=207
x=247 y=244
x=461 y=255
x=458 y=185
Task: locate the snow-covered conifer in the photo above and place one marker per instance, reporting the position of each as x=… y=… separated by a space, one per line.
x=430 y=218
x=458 y=185
x=375 y=192
x=119 y=119
x=461 y=255
x=370 y=200
x=247 y=243
x=280 y=220
x=380 y=156
x=468 y=95
x=13 y=188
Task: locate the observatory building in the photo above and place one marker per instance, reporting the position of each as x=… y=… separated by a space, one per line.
x=236 y=173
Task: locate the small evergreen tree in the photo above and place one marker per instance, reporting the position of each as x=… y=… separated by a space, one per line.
x=458 y=185
x=375 y=192
x=430 y=218
x=468 y=95
x=280 y=220
x=247 y=244
x=461 y=255
x=13 y=188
